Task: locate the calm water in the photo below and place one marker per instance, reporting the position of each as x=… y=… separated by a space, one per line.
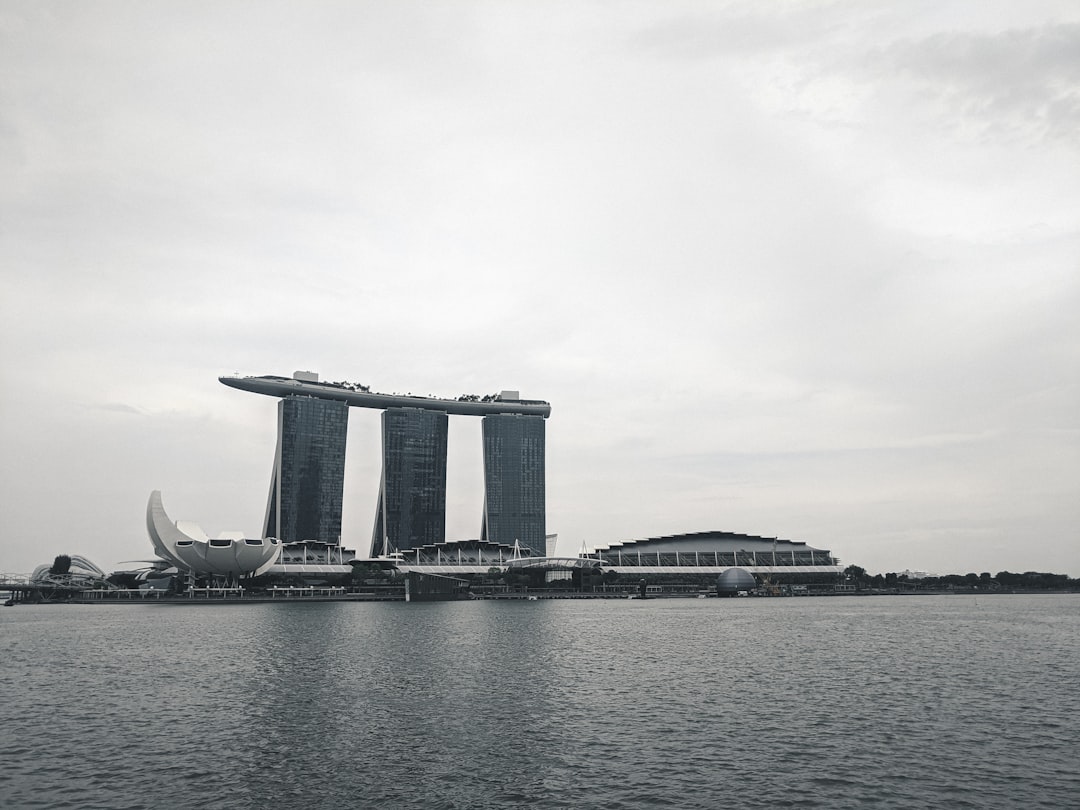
x=838 y=702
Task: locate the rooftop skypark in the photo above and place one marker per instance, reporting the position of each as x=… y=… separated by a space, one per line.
x=361 y=396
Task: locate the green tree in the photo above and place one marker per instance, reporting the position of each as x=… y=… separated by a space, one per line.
x=855 y=573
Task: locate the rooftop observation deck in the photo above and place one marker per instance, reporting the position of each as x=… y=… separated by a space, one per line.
x=360 y=396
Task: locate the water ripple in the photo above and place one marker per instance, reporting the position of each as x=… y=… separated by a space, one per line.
x=807 y=703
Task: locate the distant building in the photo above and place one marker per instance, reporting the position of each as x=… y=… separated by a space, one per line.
x=681 y=558
x=914 y=574
x=308 y=481
x=304 y=508
x=713 y=553
x=514 y=482
x=185 y=545
x=307 y=484
x=79 y=573
x=411 y=510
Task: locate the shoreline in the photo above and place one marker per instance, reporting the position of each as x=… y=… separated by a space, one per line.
x=263 y=599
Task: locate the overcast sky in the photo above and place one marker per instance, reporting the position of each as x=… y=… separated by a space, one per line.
x=799 y=269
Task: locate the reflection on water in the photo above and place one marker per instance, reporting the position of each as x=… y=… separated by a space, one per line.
x=839 y=702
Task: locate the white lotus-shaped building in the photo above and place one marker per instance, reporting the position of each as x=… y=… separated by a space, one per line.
x=186 y=546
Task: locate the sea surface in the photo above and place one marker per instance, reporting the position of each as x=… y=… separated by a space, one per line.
x=845 y=702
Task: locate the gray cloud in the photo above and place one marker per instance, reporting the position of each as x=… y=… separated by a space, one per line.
x=1014 y=84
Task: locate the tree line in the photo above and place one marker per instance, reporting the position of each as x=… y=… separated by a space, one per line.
x=1001 y=581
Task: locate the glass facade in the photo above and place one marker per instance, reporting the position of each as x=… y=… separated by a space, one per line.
x=462 y=552
x=514 y=481
x=308 y=482
x=412 y=494
x=721 y=559
x=727 y=550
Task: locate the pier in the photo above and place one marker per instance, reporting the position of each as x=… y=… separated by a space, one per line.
x=16 y=588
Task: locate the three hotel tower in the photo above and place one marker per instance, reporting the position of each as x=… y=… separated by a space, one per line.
x=307 y=484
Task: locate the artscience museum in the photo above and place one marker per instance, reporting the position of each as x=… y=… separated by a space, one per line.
x=187 y=547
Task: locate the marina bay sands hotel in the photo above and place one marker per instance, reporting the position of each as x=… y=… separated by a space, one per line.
x=308 y=479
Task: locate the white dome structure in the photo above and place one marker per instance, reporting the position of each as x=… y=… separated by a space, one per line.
x=81 y=572
x=186 y=546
